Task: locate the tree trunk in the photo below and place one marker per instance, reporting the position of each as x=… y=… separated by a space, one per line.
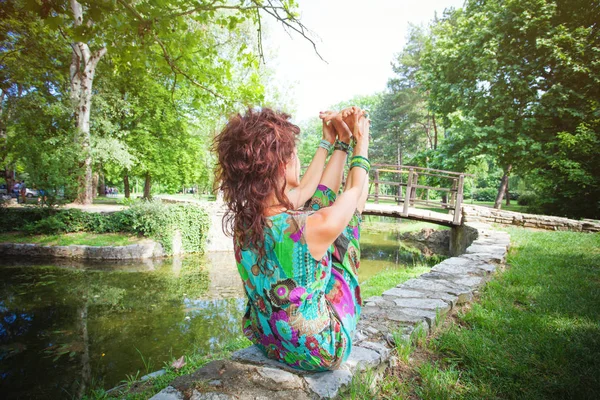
x=506 y=194
x=82 y=70
x=435 y=132
x=95 y=180
x=126 y=185
x=102 y=186
x=148 y=187
x=502 y=188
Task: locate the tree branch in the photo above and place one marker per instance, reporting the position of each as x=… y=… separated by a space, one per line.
x=176 y=69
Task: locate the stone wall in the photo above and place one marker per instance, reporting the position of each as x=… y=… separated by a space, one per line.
x=412 y=305
x=490 y=215
x=144 y=250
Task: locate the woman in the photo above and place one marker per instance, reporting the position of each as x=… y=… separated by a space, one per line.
x=299 y=266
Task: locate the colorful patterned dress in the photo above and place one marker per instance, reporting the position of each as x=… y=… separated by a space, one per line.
x=302 y=311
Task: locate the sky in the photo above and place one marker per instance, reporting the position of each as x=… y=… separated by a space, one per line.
x=358 y=39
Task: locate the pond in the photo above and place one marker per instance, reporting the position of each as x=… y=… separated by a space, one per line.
x=67 y=326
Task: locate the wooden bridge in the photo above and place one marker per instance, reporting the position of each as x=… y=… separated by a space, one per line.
x=403 y=191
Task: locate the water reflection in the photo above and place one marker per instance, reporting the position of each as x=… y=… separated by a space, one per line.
x=66 y=326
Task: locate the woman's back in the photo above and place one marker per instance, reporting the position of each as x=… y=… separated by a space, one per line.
x=288 y=313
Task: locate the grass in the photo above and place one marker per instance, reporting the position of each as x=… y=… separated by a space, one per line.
x=134 y=389
x=512 y=207
x=80 y=238
x=396 y=225
x=389 y=278
x=534 y=333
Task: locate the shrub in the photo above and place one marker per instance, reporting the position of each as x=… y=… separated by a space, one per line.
x=153 y=219
x=485 y=194
x=527 y=199
x=14 y=219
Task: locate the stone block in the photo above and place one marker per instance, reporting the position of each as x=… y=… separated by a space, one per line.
x=253 y=355
x=196 y=395
x=397 y=292
x=168 y=393
x=361 y=358
x=465 y=269
x=327 y=384
x=423 y=304
x=380 y=348
x=429 y=285
x=278 y=379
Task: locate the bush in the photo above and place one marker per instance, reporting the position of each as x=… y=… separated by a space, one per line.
x=485 y=194
x=14 y=219
x=153 y=219
x=527 y=199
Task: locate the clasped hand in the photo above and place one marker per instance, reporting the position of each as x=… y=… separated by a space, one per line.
x=351 y=122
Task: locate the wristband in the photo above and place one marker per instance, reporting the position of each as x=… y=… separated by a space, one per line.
x=360 y=162
x=345 y=147
x=325 y=144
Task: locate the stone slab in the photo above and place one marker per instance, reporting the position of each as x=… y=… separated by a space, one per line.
x=429 y=285
x=168 y=393
x=278 y=379
x=460 y=270
x=361 y=358
x=380 y=348
x=254 y=355
x=327 y=384
x=210 y=396
x=424 y=304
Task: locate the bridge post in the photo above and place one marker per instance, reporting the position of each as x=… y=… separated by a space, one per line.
x=408 y=194
x=459 y=200
x=376 y=186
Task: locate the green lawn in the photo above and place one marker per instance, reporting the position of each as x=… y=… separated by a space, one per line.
x=397 y=225
x=389 y=278
x=533 y=334
x=512 y=207
x=81 y=238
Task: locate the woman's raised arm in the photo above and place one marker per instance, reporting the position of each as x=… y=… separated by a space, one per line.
x=324 y=226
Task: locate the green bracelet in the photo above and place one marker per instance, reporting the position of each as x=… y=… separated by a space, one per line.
x=360 y=162
x=325 y=144
x=345 y=147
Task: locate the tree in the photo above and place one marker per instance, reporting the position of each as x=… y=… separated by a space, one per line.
x=511 y=75
x=403 y=125
x=181 y=39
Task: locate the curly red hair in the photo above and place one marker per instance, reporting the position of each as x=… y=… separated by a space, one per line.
x=252 y=153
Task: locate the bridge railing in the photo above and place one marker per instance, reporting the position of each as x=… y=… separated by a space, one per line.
x=411 y=186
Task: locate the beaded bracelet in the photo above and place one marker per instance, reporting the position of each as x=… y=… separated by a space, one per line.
x=325 y=144
x=360 y=162
x=339 y=145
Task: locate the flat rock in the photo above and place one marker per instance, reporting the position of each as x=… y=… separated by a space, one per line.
x=464 y=269
x=278 y=379
x=380 y=348
x=210 y=396
x=485 y=257
x=168 y=393
x=253 y=355
x=454 y=261
x=429 y=285
x=424 y=304
x=397 y=292
x=361 y=358
x=327 y=384
x=491 y=249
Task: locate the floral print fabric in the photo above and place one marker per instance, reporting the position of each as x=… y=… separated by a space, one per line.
x=302 y=311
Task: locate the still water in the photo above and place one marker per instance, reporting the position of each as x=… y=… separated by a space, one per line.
x=67 y=326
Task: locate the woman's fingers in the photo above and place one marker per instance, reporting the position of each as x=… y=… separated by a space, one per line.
x=344 y=133
x=327 y=116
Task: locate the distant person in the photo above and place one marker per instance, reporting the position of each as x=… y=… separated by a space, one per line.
x=298 y=264
x=23 y=191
